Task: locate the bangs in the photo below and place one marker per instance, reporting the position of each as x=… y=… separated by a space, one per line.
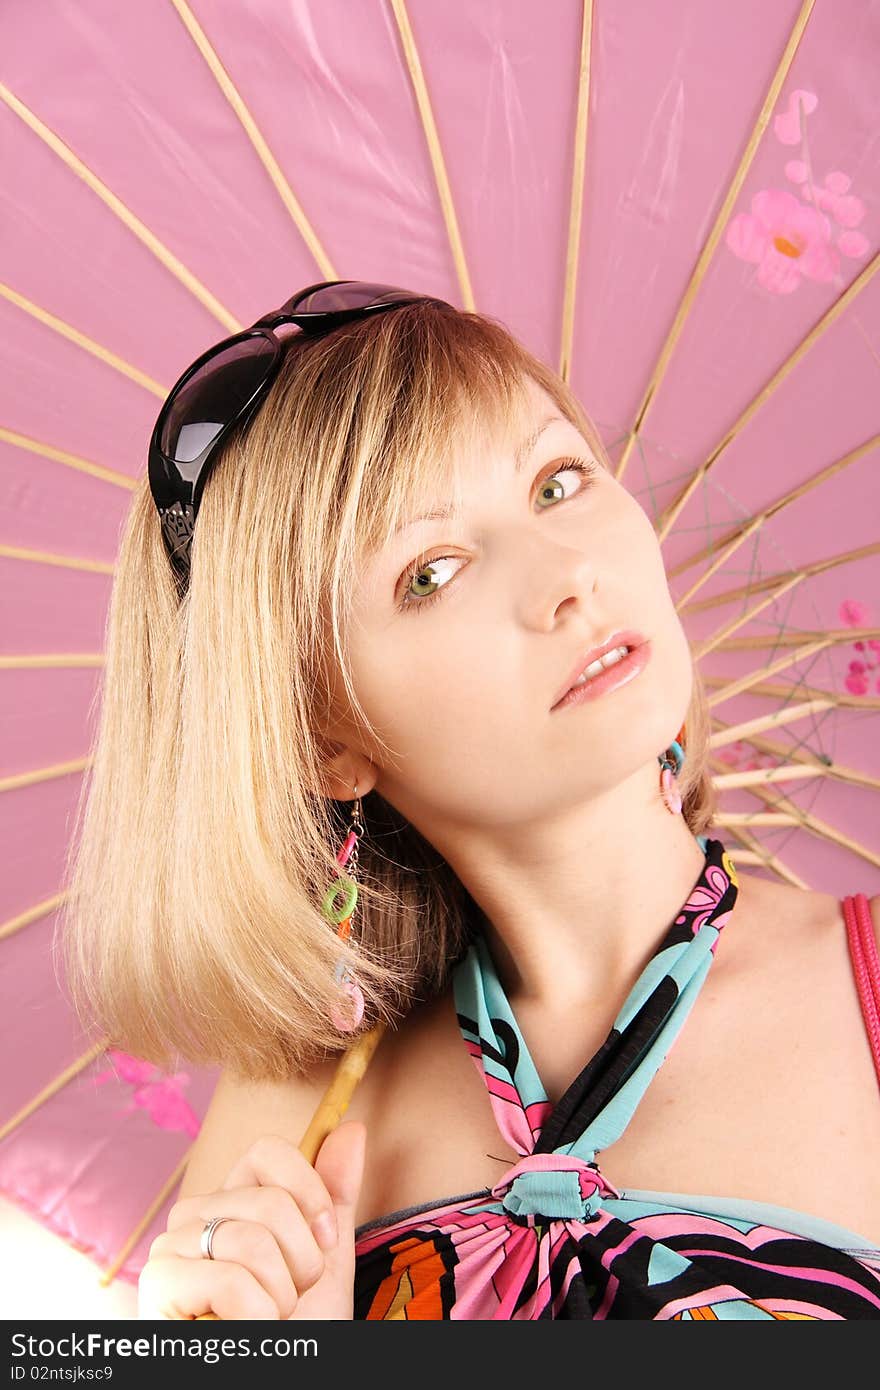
x=447 y=416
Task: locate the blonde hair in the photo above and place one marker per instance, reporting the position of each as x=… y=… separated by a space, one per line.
x=193 y=926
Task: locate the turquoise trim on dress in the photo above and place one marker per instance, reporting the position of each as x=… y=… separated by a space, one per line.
x=745 y=1213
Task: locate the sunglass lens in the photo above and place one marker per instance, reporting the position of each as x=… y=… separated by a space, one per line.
x=213 y=396
x=352 y=294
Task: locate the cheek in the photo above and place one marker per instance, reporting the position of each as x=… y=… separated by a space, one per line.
x=435 y=700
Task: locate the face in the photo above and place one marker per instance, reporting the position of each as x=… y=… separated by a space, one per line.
x=465 y=631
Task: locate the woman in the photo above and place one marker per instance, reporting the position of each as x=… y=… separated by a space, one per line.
x=400 y=568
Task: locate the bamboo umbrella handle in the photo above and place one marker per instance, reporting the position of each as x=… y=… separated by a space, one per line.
x=333 y=1103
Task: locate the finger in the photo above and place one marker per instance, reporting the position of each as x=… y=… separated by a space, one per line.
x=274 y=1209
x=247 y=1243
x=171 y=1287
x=340 y=1161
x=273 y=1161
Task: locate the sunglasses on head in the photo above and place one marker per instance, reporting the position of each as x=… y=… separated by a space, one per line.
x=226 y=385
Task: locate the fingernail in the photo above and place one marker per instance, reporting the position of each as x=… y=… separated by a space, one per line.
x=324 y=1227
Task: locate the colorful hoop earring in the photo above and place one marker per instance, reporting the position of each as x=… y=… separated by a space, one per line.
x=671 y=763
x=346 y=885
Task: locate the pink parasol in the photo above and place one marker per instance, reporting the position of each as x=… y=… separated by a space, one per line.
x=677 y=205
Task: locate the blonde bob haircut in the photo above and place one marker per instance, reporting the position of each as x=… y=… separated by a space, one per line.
x=203 y=845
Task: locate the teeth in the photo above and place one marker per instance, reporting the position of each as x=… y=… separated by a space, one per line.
x=609 y=659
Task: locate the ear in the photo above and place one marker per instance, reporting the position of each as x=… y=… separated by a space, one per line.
x=343 y=769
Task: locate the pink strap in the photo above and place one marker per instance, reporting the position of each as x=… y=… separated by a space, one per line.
x=866 y=966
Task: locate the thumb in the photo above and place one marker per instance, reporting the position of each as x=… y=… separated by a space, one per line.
x=340 y=1164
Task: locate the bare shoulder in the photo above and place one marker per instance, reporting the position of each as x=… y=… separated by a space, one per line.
x=242 y=1111
x=789 y=949
x=398 y=1098
x=781 y=914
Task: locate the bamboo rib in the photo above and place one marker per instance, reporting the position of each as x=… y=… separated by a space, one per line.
x=669 y=516
x=785 y=772
x=758 y=586
x=255 y=135
x=43 y=774
x=724 y=818
x=793 y=637
x=720 y=558
x=576 y=203
x=725 y=689
x=67 y=330
x=109 y=1274
x=800 y=753
x=759 y=855
x=75 y=461
x=811 y=766
x=721 y=219
x=119 y=209
x=746 y=857
x=708 y=644
x=53 y=1087
x=741 y=683
x=727 y=781
x=807 y=821
x=32 y=914
x=438 y=164
x=786 y=715
x=50 y=557
x=778 y=586
x=831 y=698
x=733 y=539
x=35 y=660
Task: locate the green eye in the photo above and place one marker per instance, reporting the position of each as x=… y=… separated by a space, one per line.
x=423 y=575
x=423 y=570
x=551 y=488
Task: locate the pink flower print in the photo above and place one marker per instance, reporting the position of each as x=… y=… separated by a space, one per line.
x=856 y=684
x=165 y=1104
x=744 y=758
x=853 y=613
x=126 y=1068
x=847 y=211
x=852 y=244
x=704 y=898
x=786 y=239
x=161 y=1097
x=838 y=181
x=787 y=125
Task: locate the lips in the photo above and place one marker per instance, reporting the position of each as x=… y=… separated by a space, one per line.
x=626 y=637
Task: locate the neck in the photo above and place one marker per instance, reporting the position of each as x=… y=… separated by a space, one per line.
x=574 y=908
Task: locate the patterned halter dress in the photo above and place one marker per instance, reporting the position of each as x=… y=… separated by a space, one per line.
x=554 y=1238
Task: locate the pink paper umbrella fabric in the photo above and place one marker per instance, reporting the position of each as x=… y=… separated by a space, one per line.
x=677 y=205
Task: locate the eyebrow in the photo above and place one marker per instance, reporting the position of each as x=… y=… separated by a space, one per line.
x=521 y=457
x=522 y=454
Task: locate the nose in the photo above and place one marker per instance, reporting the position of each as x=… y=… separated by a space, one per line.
x=558 y=575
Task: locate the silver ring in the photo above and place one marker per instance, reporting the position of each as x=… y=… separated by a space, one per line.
x=208 y=1235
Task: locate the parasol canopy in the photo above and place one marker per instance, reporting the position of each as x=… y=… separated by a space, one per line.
x=677 y=205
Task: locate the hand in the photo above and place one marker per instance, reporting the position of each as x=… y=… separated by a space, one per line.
x=289 y=1250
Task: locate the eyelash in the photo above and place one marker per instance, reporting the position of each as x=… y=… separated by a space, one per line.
x=585 y=467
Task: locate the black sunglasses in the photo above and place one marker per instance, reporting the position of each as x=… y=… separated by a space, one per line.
x=226 y=385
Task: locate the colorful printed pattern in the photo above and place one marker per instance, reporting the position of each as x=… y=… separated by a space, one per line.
x=554 y=1238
